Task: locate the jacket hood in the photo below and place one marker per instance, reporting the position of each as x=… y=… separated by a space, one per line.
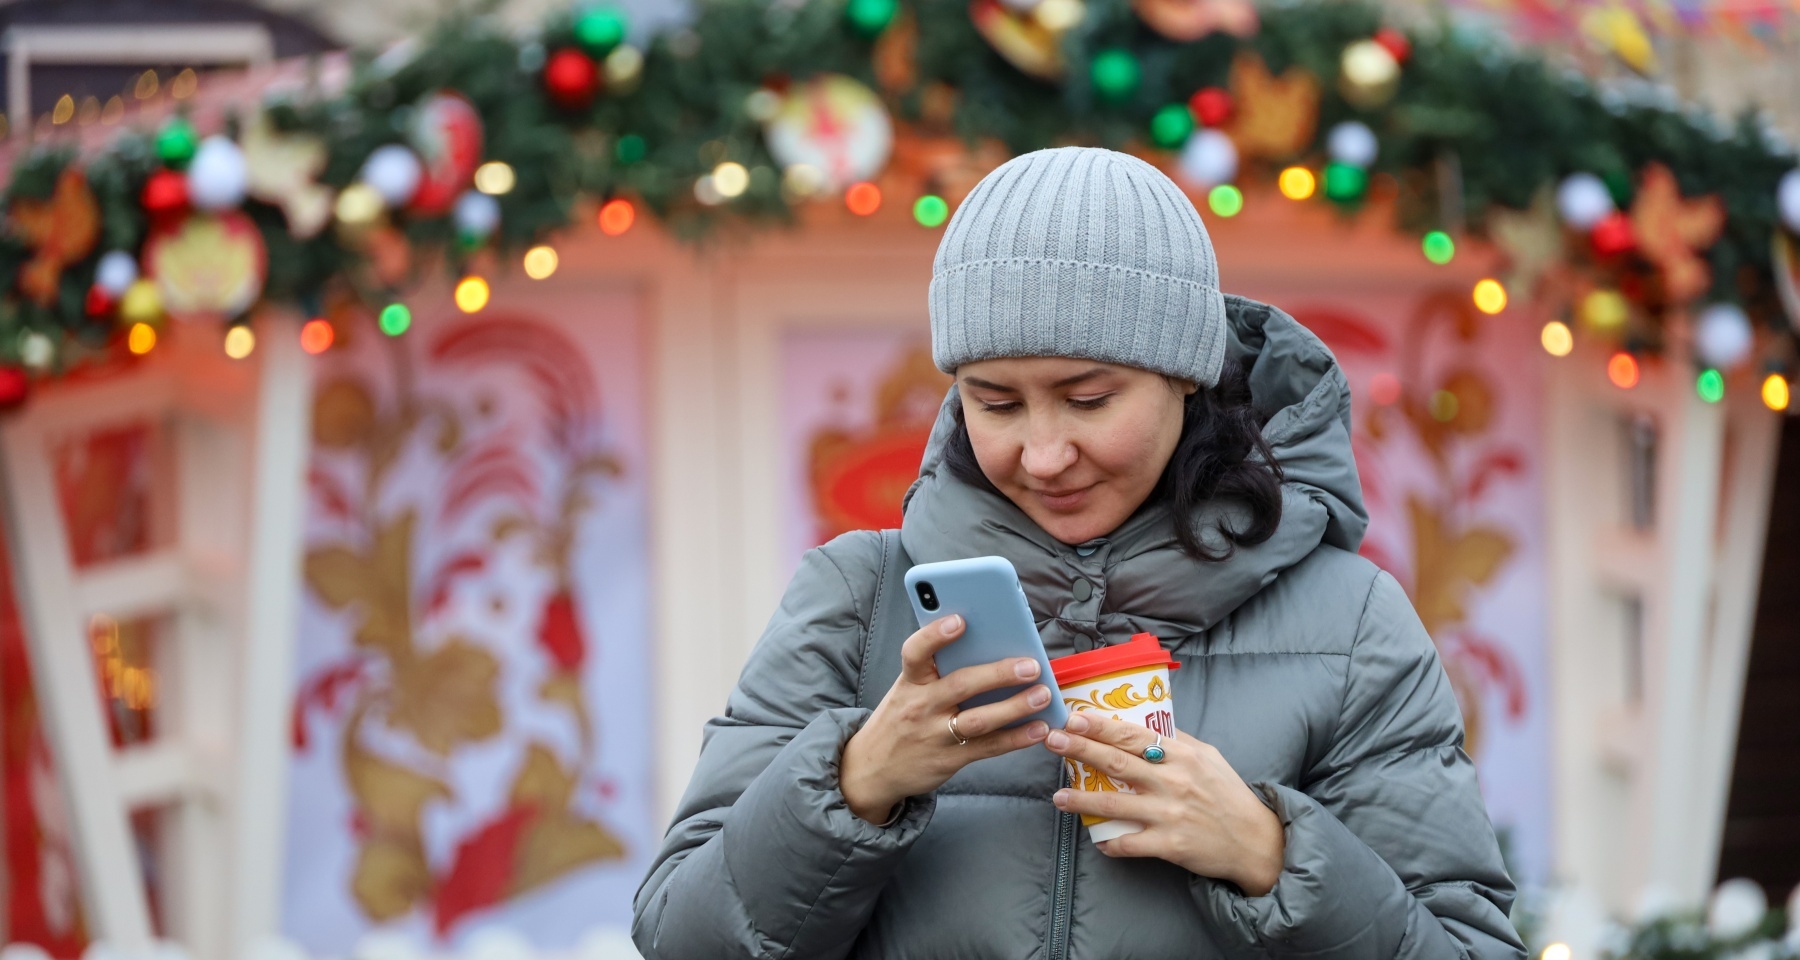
x=1141 y=580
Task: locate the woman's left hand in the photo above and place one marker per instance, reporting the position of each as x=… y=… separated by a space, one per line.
x=1196 y=811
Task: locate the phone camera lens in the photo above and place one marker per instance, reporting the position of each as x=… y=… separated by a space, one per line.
x=927 y=596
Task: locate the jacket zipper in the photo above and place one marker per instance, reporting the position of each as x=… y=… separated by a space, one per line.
x=1068 y=824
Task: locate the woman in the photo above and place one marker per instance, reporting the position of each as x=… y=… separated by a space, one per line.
x=1153 y=457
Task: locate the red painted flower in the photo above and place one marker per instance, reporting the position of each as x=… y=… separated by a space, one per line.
x=560 y=633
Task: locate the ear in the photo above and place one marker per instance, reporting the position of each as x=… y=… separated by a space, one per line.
x=1186 y=388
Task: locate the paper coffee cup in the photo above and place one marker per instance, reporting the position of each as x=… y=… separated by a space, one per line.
x=1127 y=682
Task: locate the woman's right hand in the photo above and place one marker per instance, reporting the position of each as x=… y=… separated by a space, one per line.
x=906 y=747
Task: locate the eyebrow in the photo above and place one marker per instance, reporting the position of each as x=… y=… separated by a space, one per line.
x=1064 y=382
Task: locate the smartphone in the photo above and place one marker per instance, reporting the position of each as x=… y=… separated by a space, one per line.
x=997 y=622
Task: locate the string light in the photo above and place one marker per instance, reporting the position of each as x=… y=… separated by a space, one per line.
x=184 y=84
x=616 y=216
x=1438 y=247
x=1556 y=951
x=1557 y=338
x=146 y=85
x=540 y=262
x=141 y=339
x=1710 y=385
x=316 y=336
x=1384 y=389
x=471 y=294
x=1490 y=296
x=64 y=111
x=1622 y=370
x=1297 y=183
x=931 y=210
x=240 y=341
x=394 y=319
x=495 y=178
x=1444 y=406
x=863 y=198
x=1225 y=200
x=730 y=179
x=89 y=114
x=1775 y=392
x=114 y=112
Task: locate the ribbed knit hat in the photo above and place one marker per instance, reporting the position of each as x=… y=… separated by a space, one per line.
x=1079 y=252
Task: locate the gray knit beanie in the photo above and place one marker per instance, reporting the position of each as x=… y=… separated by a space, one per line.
x=1079 y=252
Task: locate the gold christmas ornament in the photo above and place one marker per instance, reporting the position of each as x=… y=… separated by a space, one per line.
x=142 y=303
x=282 y=168
x=1274 y=117
x=1368 y=74
x=1022 y=38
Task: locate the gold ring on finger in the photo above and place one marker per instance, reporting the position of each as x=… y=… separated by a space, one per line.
x=961 y=740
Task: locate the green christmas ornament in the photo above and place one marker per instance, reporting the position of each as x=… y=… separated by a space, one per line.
x=630 y=149
x=1345 y=182
x=1115 y=73
x=870 y=17
x=599 y=29
x=1171 y=126
x=176 y=142
x=1618 y=183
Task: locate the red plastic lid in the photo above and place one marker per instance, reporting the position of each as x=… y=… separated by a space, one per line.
x=1144 y=650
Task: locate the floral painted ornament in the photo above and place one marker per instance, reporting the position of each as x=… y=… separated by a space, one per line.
x=1188 y=20
x=835 y=125
x=1671 y=230
x=1275 y=117
x=210 y=267
x=283 y=168
x=60 y=231
x=447 y=134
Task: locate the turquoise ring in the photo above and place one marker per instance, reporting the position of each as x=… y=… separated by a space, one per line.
x=1154 y=753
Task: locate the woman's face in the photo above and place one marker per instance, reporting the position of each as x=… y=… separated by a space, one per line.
x=1077 y=444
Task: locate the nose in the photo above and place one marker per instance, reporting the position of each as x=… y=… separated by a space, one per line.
x=1048 y=449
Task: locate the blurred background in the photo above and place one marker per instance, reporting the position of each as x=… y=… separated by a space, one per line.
x=410 y=413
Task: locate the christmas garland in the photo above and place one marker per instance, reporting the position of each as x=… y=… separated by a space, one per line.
x=474 y=144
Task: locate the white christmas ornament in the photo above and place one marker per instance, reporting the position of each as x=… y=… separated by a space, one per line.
x=1352 y=142
x=1208 y=159
x=477 y=214
x=1735 y=909
x=115 y=272
x=834 y=124
x=394 y=172
x=36 y=351
x=1583 y=200
x=1787 y=200
x=217 y=177
x=1723 y=339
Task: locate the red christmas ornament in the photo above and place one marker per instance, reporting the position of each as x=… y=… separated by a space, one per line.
x=14 y=386
x=1211 y=106
x=1612 y=236
x=99 y=303
x=571 y=78
x=1395 y=42
x=165 y=193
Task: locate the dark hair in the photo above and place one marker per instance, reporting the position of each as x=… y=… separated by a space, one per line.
x=1221 y=456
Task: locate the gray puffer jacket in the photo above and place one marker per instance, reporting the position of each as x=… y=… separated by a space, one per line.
x=1303 y=663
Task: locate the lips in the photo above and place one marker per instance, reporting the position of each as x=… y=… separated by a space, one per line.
x=1064 y=500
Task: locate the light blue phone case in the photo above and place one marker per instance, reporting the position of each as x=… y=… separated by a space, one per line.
x=986 y=592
